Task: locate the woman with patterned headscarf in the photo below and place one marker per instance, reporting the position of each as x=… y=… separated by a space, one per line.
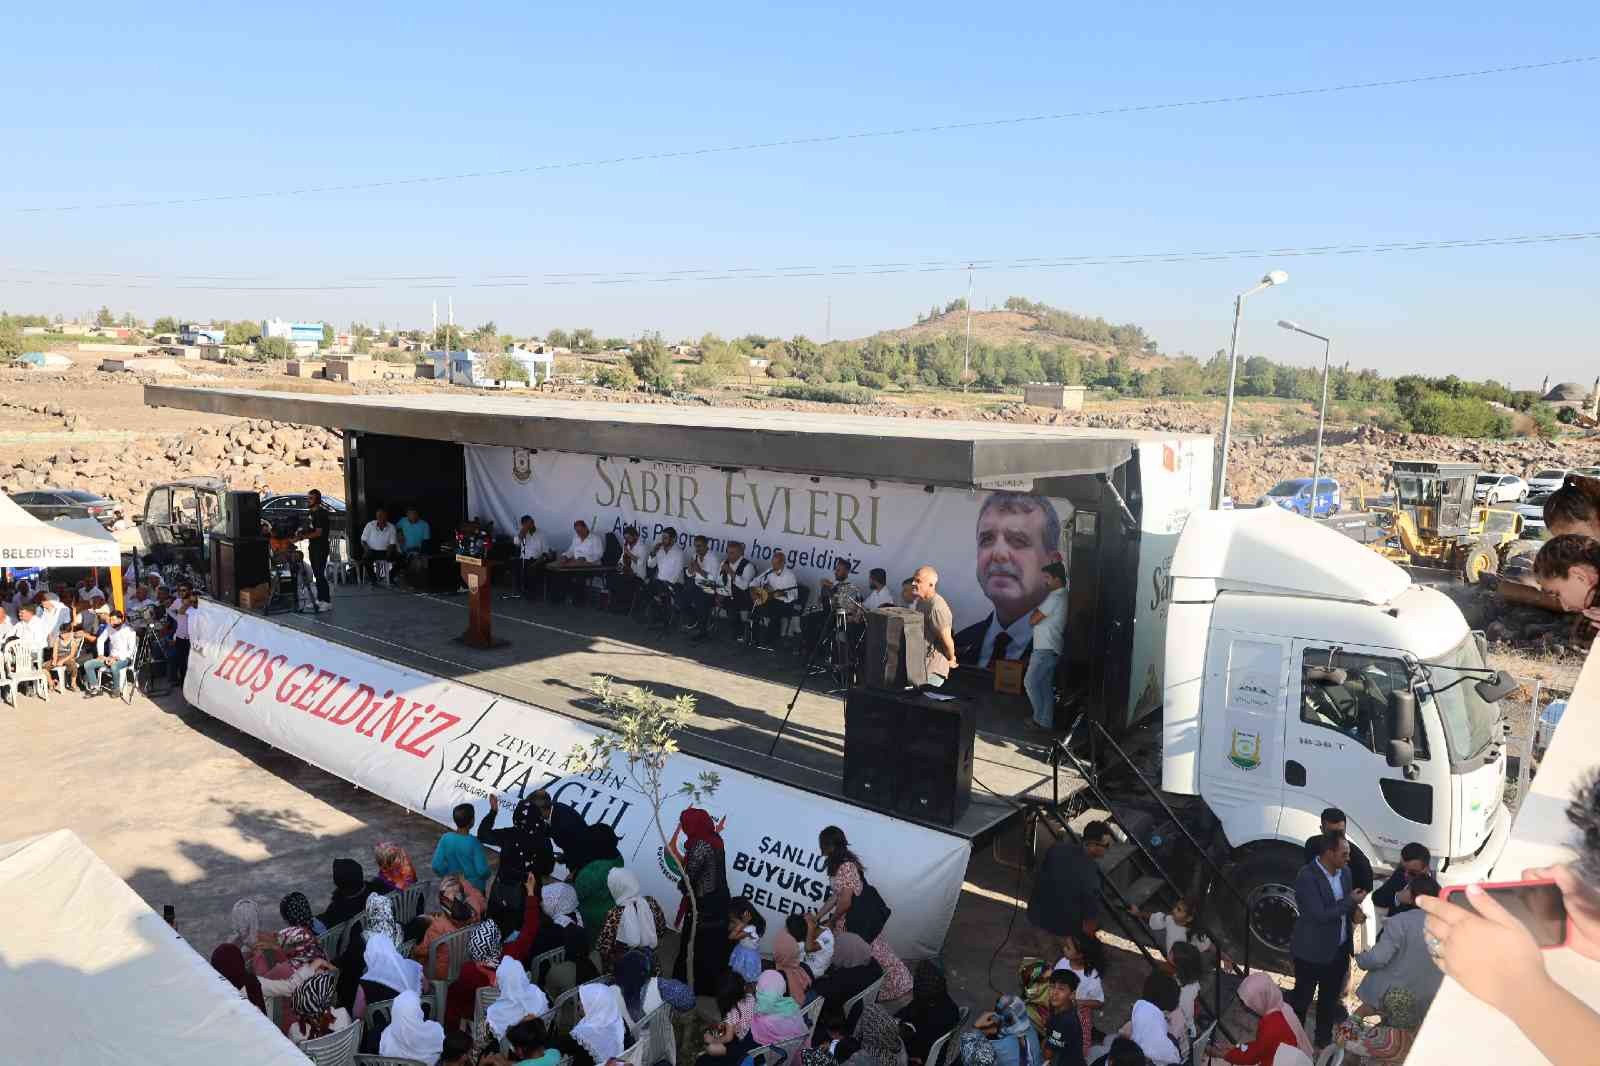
x=879 y=1035
x=315 y=1012
x=484 y=954
x=394 y=866
x=524 y=848
x=1003 y=1037
x=295 y=910
x=303 y=959
x=379 y=920
x=259 y=947
x=460 y=905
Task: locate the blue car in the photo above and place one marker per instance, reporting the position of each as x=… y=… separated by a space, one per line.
x=1295 y=495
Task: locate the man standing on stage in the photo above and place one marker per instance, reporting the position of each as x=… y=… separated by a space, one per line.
x=317 y=538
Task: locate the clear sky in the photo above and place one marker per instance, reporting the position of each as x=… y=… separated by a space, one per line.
x=106 y=103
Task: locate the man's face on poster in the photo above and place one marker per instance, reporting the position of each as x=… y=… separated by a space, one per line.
x=1013 y=549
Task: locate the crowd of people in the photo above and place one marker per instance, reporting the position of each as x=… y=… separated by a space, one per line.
x=70 y=637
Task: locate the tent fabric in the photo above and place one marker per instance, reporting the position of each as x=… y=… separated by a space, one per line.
x=28 y=541
x=90 y=974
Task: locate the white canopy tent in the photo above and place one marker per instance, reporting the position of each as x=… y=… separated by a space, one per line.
x=29 y=541
x=90 y=974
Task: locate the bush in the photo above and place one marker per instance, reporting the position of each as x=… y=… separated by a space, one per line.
x=617 y=377
x=652 y=362
x=778 y=369
x=703 y=376
x=505 y=368
x=272 y=348
x=872 y=379
x=1566 y=416
x=1449 y=416
x=824 y=393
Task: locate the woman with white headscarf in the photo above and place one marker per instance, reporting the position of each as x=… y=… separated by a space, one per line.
x=409 y=1035
x=387 y=974
x=519 y=997
x=635 y=922
x=601 y=1031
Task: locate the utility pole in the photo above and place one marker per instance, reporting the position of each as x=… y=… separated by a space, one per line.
x=966 y=360
x=827 y=330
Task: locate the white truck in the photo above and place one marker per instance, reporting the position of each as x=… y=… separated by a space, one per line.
x=1303 y=671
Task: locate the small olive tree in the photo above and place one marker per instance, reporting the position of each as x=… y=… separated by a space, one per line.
x=643 y=727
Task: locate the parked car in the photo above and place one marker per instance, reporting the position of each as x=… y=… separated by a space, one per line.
x=1532 y=512
x=1500 y=488
x=1295 y=495
x=294 y=508
x=1548 y=479
x=65 y=503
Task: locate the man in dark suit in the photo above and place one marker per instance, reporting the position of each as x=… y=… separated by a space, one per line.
x=565 y=825
x=1333 y=821
x=1018 y=534
x=1330 y=908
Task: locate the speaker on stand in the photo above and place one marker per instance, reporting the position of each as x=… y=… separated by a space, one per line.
x=907 y=754
x=242 y=512
x=895 y=655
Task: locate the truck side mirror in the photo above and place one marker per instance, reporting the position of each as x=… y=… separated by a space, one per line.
x=1402 y=724
x=1402 y=754
x=1496 y=688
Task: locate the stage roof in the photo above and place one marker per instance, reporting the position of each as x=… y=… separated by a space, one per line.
x=969 y=454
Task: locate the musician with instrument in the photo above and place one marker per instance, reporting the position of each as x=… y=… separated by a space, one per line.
x=737 y=574
x=533 y=555
x=773 y=597
x=697 y=594
x=630 y=574
x=821 y=612
x=666 y=562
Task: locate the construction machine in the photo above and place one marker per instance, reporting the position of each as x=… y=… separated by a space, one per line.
x=1433 y=521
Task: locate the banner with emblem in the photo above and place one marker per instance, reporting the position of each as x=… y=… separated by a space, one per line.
x=429 y=744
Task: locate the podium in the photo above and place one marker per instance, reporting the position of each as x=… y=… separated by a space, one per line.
x=476 y=573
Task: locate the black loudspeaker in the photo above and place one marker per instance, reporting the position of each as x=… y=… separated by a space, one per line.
x=243 y=510
x=909 y=755
x=237 y=563
x=895 y=654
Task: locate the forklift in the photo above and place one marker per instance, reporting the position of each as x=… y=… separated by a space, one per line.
x=1434 y=521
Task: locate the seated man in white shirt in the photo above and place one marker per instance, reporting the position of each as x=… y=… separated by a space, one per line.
x=533 y=555
x=380 y=548
x=571 y=571
x=630 y=575
x=878 y=594
x=34 y=628
x=694 y=600
x=114 y=650
x=667 y=561
x=735 y=576
x=781 y=596
x=816 y=942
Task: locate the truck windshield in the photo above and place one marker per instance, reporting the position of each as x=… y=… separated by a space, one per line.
x=1469 y=722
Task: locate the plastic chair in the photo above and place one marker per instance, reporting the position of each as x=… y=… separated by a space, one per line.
x=1197 y=1050
x=276 y=1010
x=335 y=1049
x=1288 y=1055
x=1332 y=1055
x=20 y=667
x=480 y=1013
x=654 y=1033
x=551 y=1017
x=539 y=965
x=867 y=995
x=633 y=1056
x=775 y=1054
x=812 y=1013
x=948 y=1046
x=455 y=948
x=335 y=940
x=381 y=1011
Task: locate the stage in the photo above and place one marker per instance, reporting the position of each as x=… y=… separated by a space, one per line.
x=555 y=653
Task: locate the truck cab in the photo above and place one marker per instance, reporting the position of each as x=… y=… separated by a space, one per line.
x=1303 y=672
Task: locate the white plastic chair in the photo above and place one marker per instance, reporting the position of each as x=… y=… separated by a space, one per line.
x=455 y=948
x=1197 y=1050
x=480 y=1013
x=654 y=1033
x=633 y=1056
x=1289 y=1055
x=539 y=966
x=812 y=1013
x=868 y=995
x=335 y=1049
x=948 y=1046
x=21 y=666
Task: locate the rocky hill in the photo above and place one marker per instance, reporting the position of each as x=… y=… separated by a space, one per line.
x=1003 y=328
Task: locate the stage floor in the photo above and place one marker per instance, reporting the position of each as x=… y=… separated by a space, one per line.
x=554 y=654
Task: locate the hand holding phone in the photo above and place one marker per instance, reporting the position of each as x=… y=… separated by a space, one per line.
x=1538 y=904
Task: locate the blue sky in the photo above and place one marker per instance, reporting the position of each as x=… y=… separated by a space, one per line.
x=106 y=103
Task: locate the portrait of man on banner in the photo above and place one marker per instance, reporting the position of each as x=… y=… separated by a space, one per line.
x=1017 y=535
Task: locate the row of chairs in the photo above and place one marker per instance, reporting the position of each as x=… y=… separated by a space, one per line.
x=21 y=665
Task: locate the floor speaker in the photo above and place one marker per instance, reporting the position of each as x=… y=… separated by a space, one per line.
x=907 y=754
x=895 y=654
x=237 y=563
x=243 y=511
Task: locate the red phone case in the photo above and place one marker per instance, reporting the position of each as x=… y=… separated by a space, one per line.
x=1445 y=894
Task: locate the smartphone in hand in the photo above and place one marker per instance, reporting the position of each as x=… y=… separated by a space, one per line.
x=1538 y=905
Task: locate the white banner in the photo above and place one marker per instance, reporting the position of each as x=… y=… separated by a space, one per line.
x=429 y=744
x=989 y=561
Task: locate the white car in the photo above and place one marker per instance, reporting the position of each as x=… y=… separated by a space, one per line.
x=1500 y=488
x=1547 y=479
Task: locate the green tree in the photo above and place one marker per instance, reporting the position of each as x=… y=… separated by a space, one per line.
x=583 y=340
x=558 y=338
x=274 y=348
x=165 y=324
x=652 y=362
x=104 y=317
x=457 y=340
x=10 y=339
x=505 y=368
x=241 y=333
x=643 y=734
x=327 y=337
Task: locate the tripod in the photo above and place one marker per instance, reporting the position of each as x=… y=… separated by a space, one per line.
x=838 y=635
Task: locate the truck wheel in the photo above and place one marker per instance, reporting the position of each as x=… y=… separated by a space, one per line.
x=1265 y=879
x=1481 y=560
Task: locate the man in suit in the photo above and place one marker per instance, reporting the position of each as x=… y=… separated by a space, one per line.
x=1018 y=534
x=1333 y=821
x=1330 y=908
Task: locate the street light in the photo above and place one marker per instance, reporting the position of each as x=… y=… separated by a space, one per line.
x=1322 y=417
x=1219 y=483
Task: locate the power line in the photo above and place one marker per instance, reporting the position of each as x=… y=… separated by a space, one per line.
x=829 y=138
x=108 y=280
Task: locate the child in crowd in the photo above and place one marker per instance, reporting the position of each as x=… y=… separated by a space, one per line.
x=746 y=927
x=1175 y=925
x=1063 y=1033
x=1084 y=956
x=460 y=853
x=816 y=942
x=1181 y=1023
